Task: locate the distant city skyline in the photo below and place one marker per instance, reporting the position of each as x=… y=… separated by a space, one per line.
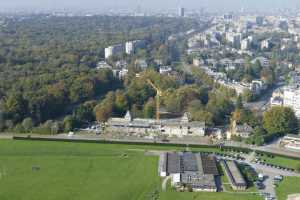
x=149 y=5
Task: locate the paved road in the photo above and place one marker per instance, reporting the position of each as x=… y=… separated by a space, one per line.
x=269 y=174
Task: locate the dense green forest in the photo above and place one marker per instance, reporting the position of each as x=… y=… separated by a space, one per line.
x=47 y=67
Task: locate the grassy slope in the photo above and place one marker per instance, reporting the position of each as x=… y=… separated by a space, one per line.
x=290 y=185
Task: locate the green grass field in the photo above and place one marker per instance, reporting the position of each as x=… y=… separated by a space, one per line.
x=74 y=171
x=290 y=185
x=282 y=161
x=170 y=195
x=81 y=171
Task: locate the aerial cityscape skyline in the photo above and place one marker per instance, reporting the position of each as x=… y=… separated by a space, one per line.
x=147 y=5
x=150 y=100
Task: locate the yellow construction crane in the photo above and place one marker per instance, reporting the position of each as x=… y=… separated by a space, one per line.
x=158 y=95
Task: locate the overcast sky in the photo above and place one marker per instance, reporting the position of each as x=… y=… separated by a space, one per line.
x=229 y=5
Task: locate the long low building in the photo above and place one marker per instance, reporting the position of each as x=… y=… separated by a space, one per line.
x=172 y=127
x=291 y=142
x=234 y=175
x=190 y=170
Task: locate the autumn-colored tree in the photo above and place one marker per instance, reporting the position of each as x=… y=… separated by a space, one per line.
x=104 y=110
x=149 y=108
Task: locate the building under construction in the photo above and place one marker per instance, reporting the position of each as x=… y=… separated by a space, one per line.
x=170 y=127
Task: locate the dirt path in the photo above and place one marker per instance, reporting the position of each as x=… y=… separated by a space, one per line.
x=165 y=182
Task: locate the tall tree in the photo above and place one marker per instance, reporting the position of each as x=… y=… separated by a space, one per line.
x=149 y=108
x=280 y=120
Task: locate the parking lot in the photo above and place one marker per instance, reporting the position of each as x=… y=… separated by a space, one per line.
x=268 y=171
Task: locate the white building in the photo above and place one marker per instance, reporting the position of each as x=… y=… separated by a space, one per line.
x=178 y=127
x=291 y=142
x=113 y=50
x=132 y=46
x=243 y=131
x=234 y=39
x=245 y=44
x=103 y=65
x=198 y=62
x=122 y=73
x=165 y=69
x=257 y=86
x=239 y=62
x=265 y=44
x=276 y=101
x=121 y=64
x=291 y=98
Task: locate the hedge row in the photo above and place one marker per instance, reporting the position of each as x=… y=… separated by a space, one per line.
x=276 y=154
x=225 y=148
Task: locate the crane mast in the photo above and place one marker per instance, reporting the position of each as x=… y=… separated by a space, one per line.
x=157 y=97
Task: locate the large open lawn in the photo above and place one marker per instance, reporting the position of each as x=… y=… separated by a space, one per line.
x=33 y=170
x=72 y=171
x=290 y=185
x=281 y=161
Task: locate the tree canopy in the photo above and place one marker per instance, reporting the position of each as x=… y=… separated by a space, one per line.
x=280 y=120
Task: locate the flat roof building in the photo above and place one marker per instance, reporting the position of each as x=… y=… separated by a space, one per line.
x=234 y=175
x=196 y=171
x=199 y=182
x=291 y=142
x=173 y=163
x=291 y=98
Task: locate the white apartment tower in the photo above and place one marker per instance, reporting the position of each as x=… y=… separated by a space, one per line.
x=113 y=50
x=265 y=44
x=291 y=98
x=181 y=12
x=245 y=44
x=132 y=46
x=129 y=48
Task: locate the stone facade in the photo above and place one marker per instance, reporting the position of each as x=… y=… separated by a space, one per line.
x=171 y=127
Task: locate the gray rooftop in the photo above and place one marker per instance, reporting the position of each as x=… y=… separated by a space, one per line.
x=197 y=180
x=235 y=176
x=173 y=163
x=189 y=162
x=244 y=128
x=209 y=164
